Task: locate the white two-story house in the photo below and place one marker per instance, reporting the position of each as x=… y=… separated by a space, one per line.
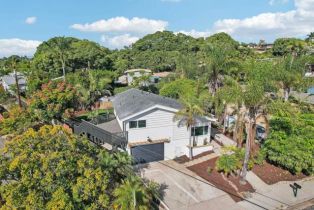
x=152 y=131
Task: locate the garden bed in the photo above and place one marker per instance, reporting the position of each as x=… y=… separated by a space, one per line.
x=271 y=174
x=222 y=182
x=184 y=159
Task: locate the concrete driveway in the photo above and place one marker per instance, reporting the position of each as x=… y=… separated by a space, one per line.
x=182 y=192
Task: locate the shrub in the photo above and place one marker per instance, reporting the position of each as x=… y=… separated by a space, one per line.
x=209 y=170
x=292 y=152
x=3 y=95
x=291 y=144
x=259 y=158
x=228 y=164
x=281 y=124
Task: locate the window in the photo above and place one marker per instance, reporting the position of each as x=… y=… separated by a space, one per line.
x=133 y=124
x=138 y=124
x=200 y=130
x=142 y=124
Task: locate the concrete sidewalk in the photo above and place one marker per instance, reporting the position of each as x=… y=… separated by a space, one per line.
x=184 y=192
x=279 y=195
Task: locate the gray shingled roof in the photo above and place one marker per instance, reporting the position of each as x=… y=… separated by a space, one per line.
x=10 y=79
x=134 y=101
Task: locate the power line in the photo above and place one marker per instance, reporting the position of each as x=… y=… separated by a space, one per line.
x=231 y=193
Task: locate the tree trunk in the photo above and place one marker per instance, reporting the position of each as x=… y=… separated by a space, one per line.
x=190 y=143
x=18 y=89
x=224 y=120
x=214 y=87
x=286 y=93
x=252 y=138
x=63 y=69
x=238 y=131
x=247 y=154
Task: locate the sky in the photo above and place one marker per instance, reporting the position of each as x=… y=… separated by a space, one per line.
x=24 y=24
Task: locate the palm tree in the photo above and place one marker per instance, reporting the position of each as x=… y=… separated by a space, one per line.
x=253 y=101
x=229 y=95
x=216 y=66
x=92 y=90
x=188 y=115
x=248 y=102
x=131 y=195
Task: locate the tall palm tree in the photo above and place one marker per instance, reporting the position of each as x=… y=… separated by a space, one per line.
x=248 y=102
x=132 y=195
x=254 y=101
x=229 y=95
x=188 y=115
x=216 y=65
x=92 y=90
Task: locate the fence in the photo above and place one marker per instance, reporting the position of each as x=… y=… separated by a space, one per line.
x=98 y=135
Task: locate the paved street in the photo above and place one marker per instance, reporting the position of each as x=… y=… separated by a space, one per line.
x=279 y=195
x=183 y=192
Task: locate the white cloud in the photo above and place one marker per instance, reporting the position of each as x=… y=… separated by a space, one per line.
x=196 y=34
x=31 y=20
x=123 y=24
x=297 y=22
x=120 y=41
x=272 y=2
x=20 y=47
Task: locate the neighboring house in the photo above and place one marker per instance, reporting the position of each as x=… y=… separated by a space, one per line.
x=152 y=131
x=261 y=47
x=158 y=76
x=9 y=80
x=310 y=70
x=132 y=74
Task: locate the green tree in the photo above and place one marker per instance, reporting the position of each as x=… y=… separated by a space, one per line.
x=132 y=195
x=179 y=88
x=52 y=101
x=91 y=85
x=69 y=54
x=249 y=101
x=17 y=121
x=216 y=66
x=60 y=46
x=288 y=46
x=223 y=40
x=53 y=169
x=289 y=74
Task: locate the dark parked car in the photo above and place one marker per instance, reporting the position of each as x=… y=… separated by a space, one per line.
x=260 y=133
